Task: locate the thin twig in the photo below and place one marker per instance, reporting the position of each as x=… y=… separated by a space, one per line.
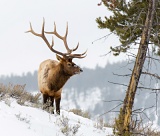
x=111 y=110
x=154 y=75
x=106 y=36
x=117 y=83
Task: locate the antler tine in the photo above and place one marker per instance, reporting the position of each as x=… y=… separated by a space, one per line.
x=52 y=42
x=32 y=31
x=42 y=35
x=66 y=31
x=43 y=27
x=83 y=55
x=76 y=47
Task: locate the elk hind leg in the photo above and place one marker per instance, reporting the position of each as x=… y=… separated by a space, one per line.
x=51 y=109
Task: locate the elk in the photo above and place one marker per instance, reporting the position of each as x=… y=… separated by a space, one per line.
x=53 y=74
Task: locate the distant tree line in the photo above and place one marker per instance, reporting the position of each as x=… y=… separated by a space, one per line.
x=88 y=79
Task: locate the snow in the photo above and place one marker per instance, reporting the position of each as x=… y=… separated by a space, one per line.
x=18 y=120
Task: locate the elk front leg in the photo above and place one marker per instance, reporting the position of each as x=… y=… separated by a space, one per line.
x=45 y=98
x=58 y=100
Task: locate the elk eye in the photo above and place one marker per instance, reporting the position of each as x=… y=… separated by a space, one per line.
x=69 y=64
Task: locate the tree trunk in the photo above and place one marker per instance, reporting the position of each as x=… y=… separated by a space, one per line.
x=136 y=73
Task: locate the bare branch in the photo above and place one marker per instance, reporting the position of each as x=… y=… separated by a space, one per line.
x=113 y=101
x=111 y=110
x=106 y=36
x=154 y=75
x=122 y=75
x=117 y=83
x=147 y=88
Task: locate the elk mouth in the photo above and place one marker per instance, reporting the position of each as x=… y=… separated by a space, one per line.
x=78 y=72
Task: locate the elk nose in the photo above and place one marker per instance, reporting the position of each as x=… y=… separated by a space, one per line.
x=81 y=70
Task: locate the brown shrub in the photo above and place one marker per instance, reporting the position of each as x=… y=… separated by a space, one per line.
x=79 y=112
x=18 y=92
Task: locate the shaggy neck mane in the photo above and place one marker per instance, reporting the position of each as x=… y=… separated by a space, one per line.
x=58 y=80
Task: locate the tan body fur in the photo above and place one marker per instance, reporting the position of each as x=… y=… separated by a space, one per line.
x=52 y=75
x=47 y=77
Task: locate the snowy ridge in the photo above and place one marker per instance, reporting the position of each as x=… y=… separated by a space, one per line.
x=17 y=120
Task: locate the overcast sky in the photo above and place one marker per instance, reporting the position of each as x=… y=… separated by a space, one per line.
x=22 y=52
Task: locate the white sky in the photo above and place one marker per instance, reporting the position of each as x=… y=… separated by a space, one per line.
x=22 y=52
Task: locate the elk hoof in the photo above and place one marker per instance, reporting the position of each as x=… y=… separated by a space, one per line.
x=51 y=110
x=58 y=112
x=48 y=108
x=44 y=107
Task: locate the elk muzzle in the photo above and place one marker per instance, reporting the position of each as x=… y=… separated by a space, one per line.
x=79 y=70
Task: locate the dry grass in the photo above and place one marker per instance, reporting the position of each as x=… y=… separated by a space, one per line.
x=18 y=92
x=66 y=128
x=146 y=131
x=79 y=112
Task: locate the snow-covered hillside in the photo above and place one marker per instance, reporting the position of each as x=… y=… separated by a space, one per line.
x=17 y=120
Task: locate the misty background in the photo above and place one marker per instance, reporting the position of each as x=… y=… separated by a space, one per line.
x=100 y=91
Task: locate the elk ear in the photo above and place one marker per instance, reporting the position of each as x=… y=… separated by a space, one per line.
x=59 y=58
x=70 y=60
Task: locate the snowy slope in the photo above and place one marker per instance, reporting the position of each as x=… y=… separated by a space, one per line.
x=17 y=120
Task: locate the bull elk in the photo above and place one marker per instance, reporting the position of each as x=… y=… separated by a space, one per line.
x=52 y=74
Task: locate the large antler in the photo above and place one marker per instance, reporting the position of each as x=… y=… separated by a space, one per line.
x=63 y=38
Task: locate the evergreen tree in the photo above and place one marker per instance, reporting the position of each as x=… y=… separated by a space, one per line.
x=128 y=21
x=133 y=21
